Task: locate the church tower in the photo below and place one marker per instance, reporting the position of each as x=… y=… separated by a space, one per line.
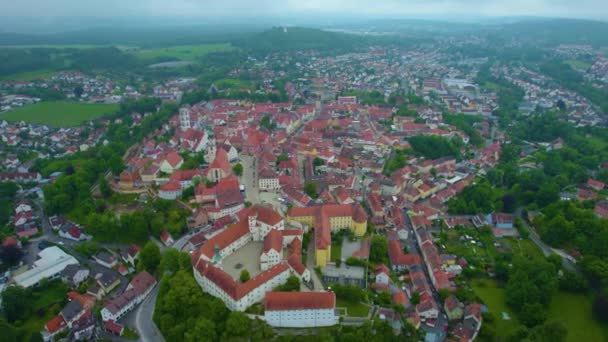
x=184 y=119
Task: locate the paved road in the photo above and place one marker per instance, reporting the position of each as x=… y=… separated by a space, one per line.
x=310 y=264
x=546 y=249
x=148 y=331
x=248 y=178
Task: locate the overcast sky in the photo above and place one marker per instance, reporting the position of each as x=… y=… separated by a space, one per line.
x=596 y=9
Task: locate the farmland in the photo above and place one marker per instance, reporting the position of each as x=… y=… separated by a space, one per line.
x=183 y=53
x=29 y=75
x=59 y=113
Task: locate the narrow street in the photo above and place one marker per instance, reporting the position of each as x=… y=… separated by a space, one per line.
x=546 y=249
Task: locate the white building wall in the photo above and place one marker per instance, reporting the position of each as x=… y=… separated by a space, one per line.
x=301 y=318
x=267 y=260
x=382 y=278
x=246 y=301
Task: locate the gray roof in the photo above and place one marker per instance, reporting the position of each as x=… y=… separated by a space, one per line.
x=71 y=310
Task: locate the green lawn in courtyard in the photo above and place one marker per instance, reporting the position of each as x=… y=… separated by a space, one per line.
x=353 y=309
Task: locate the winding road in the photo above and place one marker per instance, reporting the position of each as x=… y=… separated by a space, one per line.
x=148 y=331
x=546 y=249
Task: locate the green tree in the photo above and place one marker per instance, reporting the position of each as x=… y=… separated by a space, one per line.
x=10 y=254
x=292 y=285
x=379 y=249
x=415 y=300
x=78 y=91
x=282 y=158
x=238 y=324
x=311 y=189
x=9 y=333
x=268 y=123
x=238 y=169
x=150 y=256
x=532 y=314
x=549 y=332
x=203 y=330
x=104 y=187
x=15 y=303
x=245 y=276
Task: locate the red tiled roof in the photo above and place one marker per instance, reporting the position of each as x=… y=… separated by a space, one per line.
x=87 y=301
x=230 y=286
x=273 y=240
x=281 y=301
x=400 y=298
x=225 y=238
x=113 y=327
x=55 y=324
x=221 y=161
x=164 y=235
x=173 y=158
x=382 y=268
x=170 y=186
x=264 y=214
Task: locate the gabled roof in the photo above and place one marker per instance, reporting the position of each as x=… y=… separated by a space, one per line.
x=221 y=161
x=173 y=158
x=283 y=301
x=273 y=240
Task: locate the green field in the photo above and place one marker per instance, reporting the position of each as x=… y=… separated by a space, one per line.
x=183 y=53
x=59 y=113
x=494 y=298
x=525 y=248
x=578 y=64
x=574 y=311
x=490 y=85
x=29 y=75
x=353 y=309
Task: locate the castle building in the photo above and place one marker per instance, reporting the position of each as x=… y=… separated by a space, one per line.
x=328 y=218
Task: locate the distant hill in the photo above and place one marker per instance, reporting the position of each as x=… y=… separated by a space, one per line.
x=558 y=31
x=138 y=36
x=299 y=38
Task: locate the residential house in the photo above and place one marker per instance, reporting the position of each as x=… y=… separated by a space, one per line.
x=382 y=274
x=74 y=275
x=105 y=259
x=166 y=238
x=453 y=308
x=137 y=290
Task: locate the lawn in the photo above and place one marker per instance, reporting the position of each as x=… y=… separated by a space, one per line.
x=524 y=247
x=574 y=311
x=59 y=113
x=183 y=53
x=29 y=75
x=490 y=85
x=230 y=83
x=353 y=309
x=494 y=299
x=336 y=252
x=578 y=64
